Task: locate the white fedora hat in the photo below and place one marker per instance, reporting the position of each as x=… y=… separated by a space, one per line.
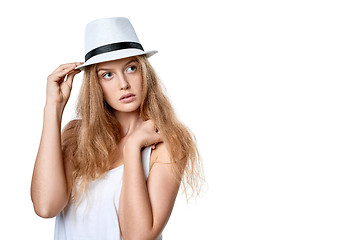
x=110 y=39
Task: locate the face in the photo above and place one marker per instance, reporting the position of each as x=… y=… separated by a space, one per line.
x=121 y=82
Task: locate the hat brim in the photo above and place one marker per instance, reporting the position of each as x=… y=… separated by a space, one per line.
x=115 y=55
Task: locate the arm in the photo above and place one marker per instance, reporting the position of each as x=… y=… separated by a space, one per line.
x=49 y=188
x=145 y=207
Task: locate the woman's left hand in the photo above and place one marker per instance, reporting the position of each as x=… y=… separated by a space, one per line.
x=145 y=135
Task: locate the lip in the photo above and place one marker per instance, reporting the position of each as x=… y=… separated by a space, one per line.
x=126 y=98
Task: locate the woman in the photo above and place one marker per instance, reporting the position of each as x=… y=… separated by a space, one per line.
x=115 y=172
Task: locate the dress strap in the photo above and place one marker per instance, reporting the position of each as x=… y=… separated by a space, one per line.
x=145 y=157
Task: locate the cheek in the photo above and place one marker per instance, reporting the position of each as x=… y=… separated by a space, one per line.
x=139 y=84
x=140 y=87
x=107 y=92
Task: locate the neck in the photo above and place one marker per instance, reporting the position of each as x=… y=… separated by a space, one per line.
x=129 y=121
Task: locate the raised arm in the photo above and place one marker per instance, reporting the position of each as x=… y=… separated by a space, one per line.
x=49 y=187
x=145 y=207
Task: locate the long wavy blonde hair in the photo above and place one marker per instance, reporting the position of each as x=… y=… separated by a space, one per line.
x=94 y=137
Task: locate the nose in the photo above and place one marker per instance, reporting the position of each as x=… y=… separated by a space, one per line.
x=123 y=84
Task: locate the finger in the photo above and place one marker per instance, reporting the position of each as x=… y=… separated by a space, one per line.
x=76 y=71
x=59 y=76
x=78 y=64
x=65 y=66
x=66 y=86
x=65 y=71
x=62 y=67
x=70 y=77
x=158 y=138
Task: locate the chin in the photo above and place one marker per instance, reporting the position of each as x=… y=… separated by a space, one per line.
x=127 y=109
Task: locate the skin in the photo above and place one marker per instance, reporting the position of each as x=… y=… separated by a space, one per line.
x=50 y=188
x=145 y=206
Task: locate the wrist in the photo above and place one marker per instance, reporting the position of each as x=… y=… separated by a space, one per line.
x=131 y=151
x=131 y=146
x=50 y=104
x=52 y=109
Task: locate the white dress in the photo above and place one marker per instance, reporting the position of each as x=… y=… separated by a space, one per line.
x=96 y=217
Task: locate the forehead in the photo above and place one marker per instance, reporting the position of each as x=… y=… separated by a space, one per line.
x=116 y=63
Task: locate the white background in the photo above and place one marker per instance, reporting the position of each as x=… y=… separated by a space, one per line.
x=270 y=89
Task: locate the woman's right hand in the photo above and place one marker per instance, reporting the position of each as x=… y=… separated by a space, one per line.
x=59 y=84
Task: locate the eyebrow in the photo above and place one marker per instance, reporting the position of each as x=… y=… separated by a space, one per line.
x=109 y=69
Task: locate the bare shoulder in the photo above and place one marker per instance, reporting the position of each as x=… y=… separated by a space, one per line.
x=71 y=126
x=162 y=186
x=160 y=155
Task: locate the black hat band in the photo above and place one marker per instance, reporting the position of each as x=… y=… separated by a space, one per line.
x=112 y=47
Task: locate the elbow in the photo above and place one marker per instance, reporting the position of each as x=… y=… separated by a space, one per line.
x=137 y=237
x=44 y=212
x=47 y=208
x=141 y=235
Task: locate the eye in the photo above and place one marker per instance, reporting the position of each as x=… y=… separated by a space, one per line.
x=131 y=69
x=107 y=75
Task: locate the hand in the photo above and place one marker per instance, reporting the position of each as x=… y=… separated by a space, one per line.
x=145 y=135
x=58 y=89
